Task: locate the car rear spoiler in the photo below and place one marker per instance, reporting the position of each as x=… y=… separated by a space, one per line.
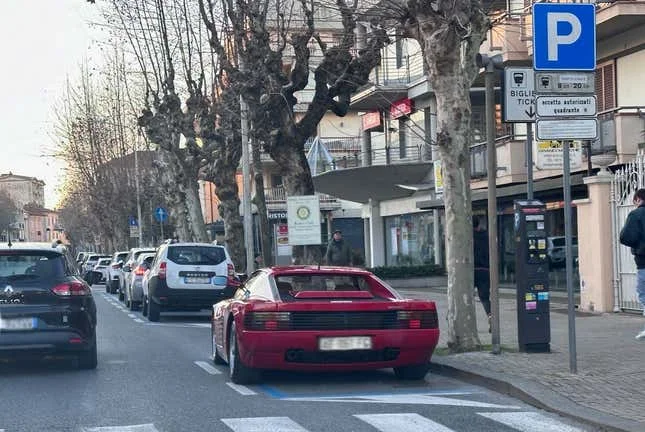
x=333 y=295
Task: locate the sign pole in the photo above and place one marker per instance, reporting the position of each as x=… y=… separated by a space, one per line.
x=529 y=161
x=573 y=368
x=161 y=225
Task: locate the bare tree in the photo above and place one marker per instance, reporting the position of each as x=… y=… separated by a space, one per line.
x=8 y=212
x=274 y=52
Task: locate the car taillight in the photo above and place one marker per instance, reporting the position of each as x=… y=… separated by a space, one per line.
x=162 y=270
x=418 y=319
x=115 y=266
x=232 y=279
x=71 y=289
x=139 y=271
x=267 y=321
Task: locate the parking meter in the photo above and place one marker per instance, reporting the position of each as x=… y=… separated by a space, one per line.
x=532 y=276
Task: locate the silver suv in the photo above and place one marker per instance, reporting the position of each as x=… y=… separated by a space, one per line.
x=189 y=277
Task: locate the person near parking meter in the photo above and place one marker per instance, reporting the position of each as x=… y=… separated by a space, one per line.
x=482 y=267
x=633 y=236
x=338 y=251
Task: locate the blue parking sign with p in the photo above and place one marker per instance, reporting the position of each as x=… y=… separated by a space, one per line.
x=564 y=36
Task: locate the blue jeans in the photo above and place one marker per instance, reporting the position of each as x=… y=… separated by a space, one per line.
x=640 y=286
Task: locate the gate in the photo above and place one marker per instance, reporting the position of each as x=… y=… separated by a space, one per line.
x=624 y=183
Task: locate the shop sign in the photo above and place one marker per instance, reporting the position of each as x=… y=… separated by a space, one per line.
x=278 y=215
x=371 y=120
x=401 y=108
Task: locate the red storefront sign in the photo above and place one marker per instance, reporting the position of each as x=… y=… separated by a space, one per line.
x=401 y=108
x=371 y=120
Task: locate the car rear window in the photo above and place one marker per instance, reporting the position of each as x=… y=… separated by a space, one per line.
x=121 y=257
x=289 y=284
x=135 y=255
x=196 y=255
x=27 y=265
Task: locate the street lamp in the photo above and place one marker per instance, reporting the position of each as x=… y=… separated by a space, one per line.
x=490 y=64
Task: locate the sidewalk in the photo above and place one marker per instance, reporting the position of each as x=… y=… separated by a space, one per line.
x=608 y=392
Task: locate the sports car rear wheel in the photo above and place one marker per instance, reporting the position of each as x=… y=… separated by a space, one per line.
x=413 y=372
x=240 y=373
x=217 y=359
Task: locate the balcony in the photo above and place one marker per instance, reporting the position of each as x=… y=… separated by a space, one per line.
x=622 y=130
x=276 y=200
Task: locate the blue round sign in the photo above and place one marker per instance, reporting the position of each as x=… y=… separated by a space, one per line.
x=161 y=215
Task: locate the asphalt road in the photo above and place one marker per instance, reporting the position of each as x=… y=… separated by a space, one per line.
x=158 y=377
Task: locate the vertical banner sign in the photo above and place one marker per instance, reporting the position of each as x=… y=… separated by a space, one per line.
x=438 y=178
x=303 y=218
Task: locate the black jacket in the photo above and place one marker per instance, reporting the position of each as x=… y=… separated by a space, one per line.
x=633 y=235
x=338 y=253
x=480 y=252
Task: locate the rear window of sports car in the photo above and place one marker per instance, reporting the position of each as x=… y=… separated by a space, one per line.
x=322 y=282
x=26 y=265
x=196 y=255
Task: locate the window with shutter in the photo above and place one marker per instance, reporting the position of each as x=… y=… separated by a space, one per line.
x=606 y=86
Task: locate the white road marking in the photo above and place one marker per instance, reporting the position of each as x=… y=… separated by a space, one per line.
x=263 y=424
x=208 y=368
x=413 y=399
x=530 y=422
x=139 y=320
x=243 y=390
x=402 y=422
x=133 y=316
x=133 y=428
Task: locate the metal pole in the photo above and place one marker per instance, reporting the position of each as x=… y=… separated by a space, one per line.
x=492 y=206
x=529 y=161
x=136 y=184
x=161 y=225
x=573 y=368
x=246 y=186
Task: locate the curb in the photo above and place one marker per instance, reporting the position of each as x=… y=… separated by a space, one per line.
x=539 y=396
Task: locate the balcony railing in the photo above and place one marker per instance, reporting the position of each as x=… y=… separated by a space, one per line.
x=276 y=198
x=621 y=129
x=398 y=71
x=479 y=157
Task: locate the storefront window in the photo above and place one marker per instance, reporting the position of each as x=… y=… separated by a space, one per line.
x=409 y=239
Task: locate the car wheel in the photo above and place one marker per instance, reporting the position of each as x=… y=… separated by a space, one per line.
x=214 y=355
x=154 y=311
x=121 y=296
x=88 y=359
x=413 y=372
x=132 y=305
x=239 y=372
x=144 y=306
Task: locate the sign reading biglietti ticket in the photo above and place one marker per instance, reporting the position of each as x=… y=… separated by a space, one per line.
x=303 y=219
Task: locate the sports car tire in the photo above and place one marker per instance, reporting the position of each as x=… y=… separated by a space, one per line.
x=239 y=372
x=414 y=372
x=154 y=311
x=214 y=355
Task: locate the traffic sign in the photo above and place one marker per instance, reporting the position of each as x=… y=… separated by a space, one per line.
x=132 y=221
x=564 y=36
x=519 y=95
x=134 y=231
x=550 y=155
x=569 y=129
x=565 y=82
x=161 y=215
x=566 y=106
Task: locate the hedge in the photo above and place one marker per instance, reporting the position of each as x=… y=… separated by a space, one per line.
x=402 y=272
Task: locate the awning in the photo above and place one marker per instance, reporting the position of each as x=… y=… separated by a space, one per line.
x=378 y=182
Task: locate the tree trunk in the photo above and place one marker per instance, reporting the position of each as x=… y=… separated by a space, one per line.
x=229 y=209
x=260 y=202
x=449 y=53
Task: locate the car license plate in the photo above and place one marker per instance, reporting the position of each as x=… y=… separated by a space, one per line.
x=18 y=324
x=198 y=280
x=344 y=343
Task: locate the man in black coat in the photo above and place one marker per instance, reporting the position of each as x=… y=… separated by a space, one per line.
x=339 y=252
x=633 y=235
x=482 y=267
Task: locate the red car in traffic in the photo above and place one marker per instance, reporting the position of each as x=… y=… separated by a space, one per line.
x=322 y=319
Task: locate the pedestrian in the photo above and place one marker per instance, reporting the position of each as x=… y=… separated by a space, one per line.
x=482 y=268
x=258 y=261
x=338 y=251
x=633 y=236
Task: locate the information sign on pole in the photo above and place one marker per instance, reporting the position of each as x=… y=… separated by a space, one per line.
x=565 y=82
x=550 y=155
x=303 y=219
x=519 y=95
x=571 y=129
x=566 y=106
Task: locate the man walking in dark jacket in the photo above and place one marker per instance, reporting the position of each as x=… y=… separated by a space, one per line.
x=633 y=235
x=338 y=252
x=482 y=268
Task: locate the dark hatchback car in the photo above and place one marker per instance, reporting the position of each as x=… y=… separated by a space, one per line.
x=46 y=309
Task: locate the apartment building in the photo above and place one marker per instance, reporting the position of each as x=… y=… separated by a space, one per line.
x=393 y=181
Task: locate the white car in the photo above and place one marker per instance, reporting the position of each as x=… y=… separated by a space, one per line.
x=133 y=295
x=127 y=268
x=100 y=270
x=115 y=272
x=188 y=277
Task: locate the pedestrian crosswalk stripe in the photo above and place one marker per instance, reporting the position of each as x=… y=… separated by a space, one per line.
x=263 y=424
x=139 y=320
x=208 y=368
x=133 y=316
x=133 y=428
x=402 y=422
x=243 y=390
x=529 y=422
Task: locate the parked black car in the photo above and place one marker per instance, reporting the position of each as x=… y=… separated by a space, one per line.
x=46 y=308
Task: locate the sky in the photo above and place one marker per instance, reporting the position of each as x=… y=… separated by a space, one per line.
x=42 y=43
